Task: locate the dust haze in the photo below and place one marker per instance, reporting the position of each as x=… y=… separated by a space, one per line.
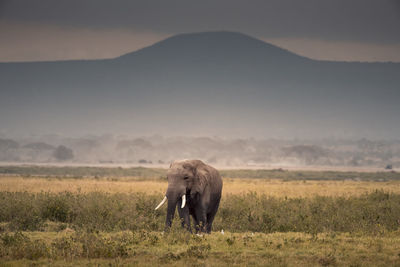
x=159 y=151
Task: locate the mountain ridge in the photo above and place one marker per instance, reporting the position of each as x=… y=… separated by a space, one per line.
x=212 y=40
x=184 y=35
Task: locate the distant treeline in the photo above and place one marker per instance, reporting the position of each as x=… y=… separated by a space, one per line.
x=159 y=173
x=159 y=150
x=80 y=172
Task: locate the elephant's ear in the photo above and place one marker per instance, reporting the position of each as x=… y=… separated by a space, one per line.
x=201 y=175
x=201 y=180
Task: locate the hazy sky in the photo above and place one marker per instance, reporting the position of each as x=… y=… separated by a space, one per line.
x=361 y=30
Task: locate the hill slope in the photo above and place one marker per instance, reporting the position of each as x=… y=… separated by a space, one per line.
x=213 y=83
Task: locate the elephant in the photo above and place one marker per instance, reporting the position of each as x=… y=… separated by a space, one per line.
x=196 y=188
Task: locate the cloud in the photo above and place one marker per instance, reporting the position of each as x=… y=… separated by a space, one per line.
x=341 y=20
x=52 y=42
x=339 y=50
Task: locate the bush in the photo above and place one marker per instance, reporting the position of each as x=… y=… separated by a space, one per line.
x=63 y=153
x=83 y=244
x=67 y=248
x=18 y=246
x=199 y=251
x=55 y=207
x=96 y=246
x=21 y=211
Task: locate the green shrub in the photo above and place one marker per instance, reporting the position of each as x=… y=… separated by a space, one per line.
x=96 y=246
x=67 y=248
x=56 y=207
x=198 y=251
x=21 y=211
x=18 y=246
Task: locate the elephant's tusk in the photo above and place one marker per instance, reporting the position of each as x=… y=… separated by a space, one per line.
x=161 y=203
x=183 y=201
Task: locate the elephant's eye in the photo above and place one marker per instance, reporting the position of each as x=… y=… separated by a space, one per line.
x=186 y=177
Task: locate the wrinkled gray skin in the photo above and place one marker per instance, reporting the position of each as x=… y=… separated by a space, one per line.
x=202 y=185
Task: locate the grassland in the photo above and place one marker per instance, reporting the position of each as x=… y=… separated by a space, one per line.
x=181 y=249
x=270 y=187
x=82 y=216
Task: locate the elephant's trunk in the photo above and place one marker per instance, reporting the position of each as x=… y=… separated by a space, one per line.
x=170 y=211
x=173 y=197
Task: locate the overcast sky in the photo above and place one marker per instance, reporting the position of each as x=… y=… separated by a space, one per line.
x=361 y=30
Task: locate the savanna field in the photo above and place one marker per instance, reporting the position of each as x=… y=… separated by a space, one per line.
x=68 y=216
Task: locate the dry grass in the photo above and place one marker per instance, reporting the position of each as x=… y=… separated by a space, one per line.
x=271 y=187
x=85 y=185
x=279 y=188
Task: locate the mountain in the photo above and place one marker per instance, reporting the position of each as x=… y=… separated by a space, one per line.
x=211 y=83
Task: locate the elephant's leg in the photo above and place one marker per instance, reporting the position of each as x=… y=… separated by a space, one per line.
x=201 y=220
x=193 y=213
x=210 y=217
x=195 y=220
x=184 y=215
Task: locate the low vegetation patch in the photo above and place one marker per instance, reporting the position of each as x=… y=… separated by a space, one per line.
x=157 y=173
x=181 y=248
x=374 y=212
